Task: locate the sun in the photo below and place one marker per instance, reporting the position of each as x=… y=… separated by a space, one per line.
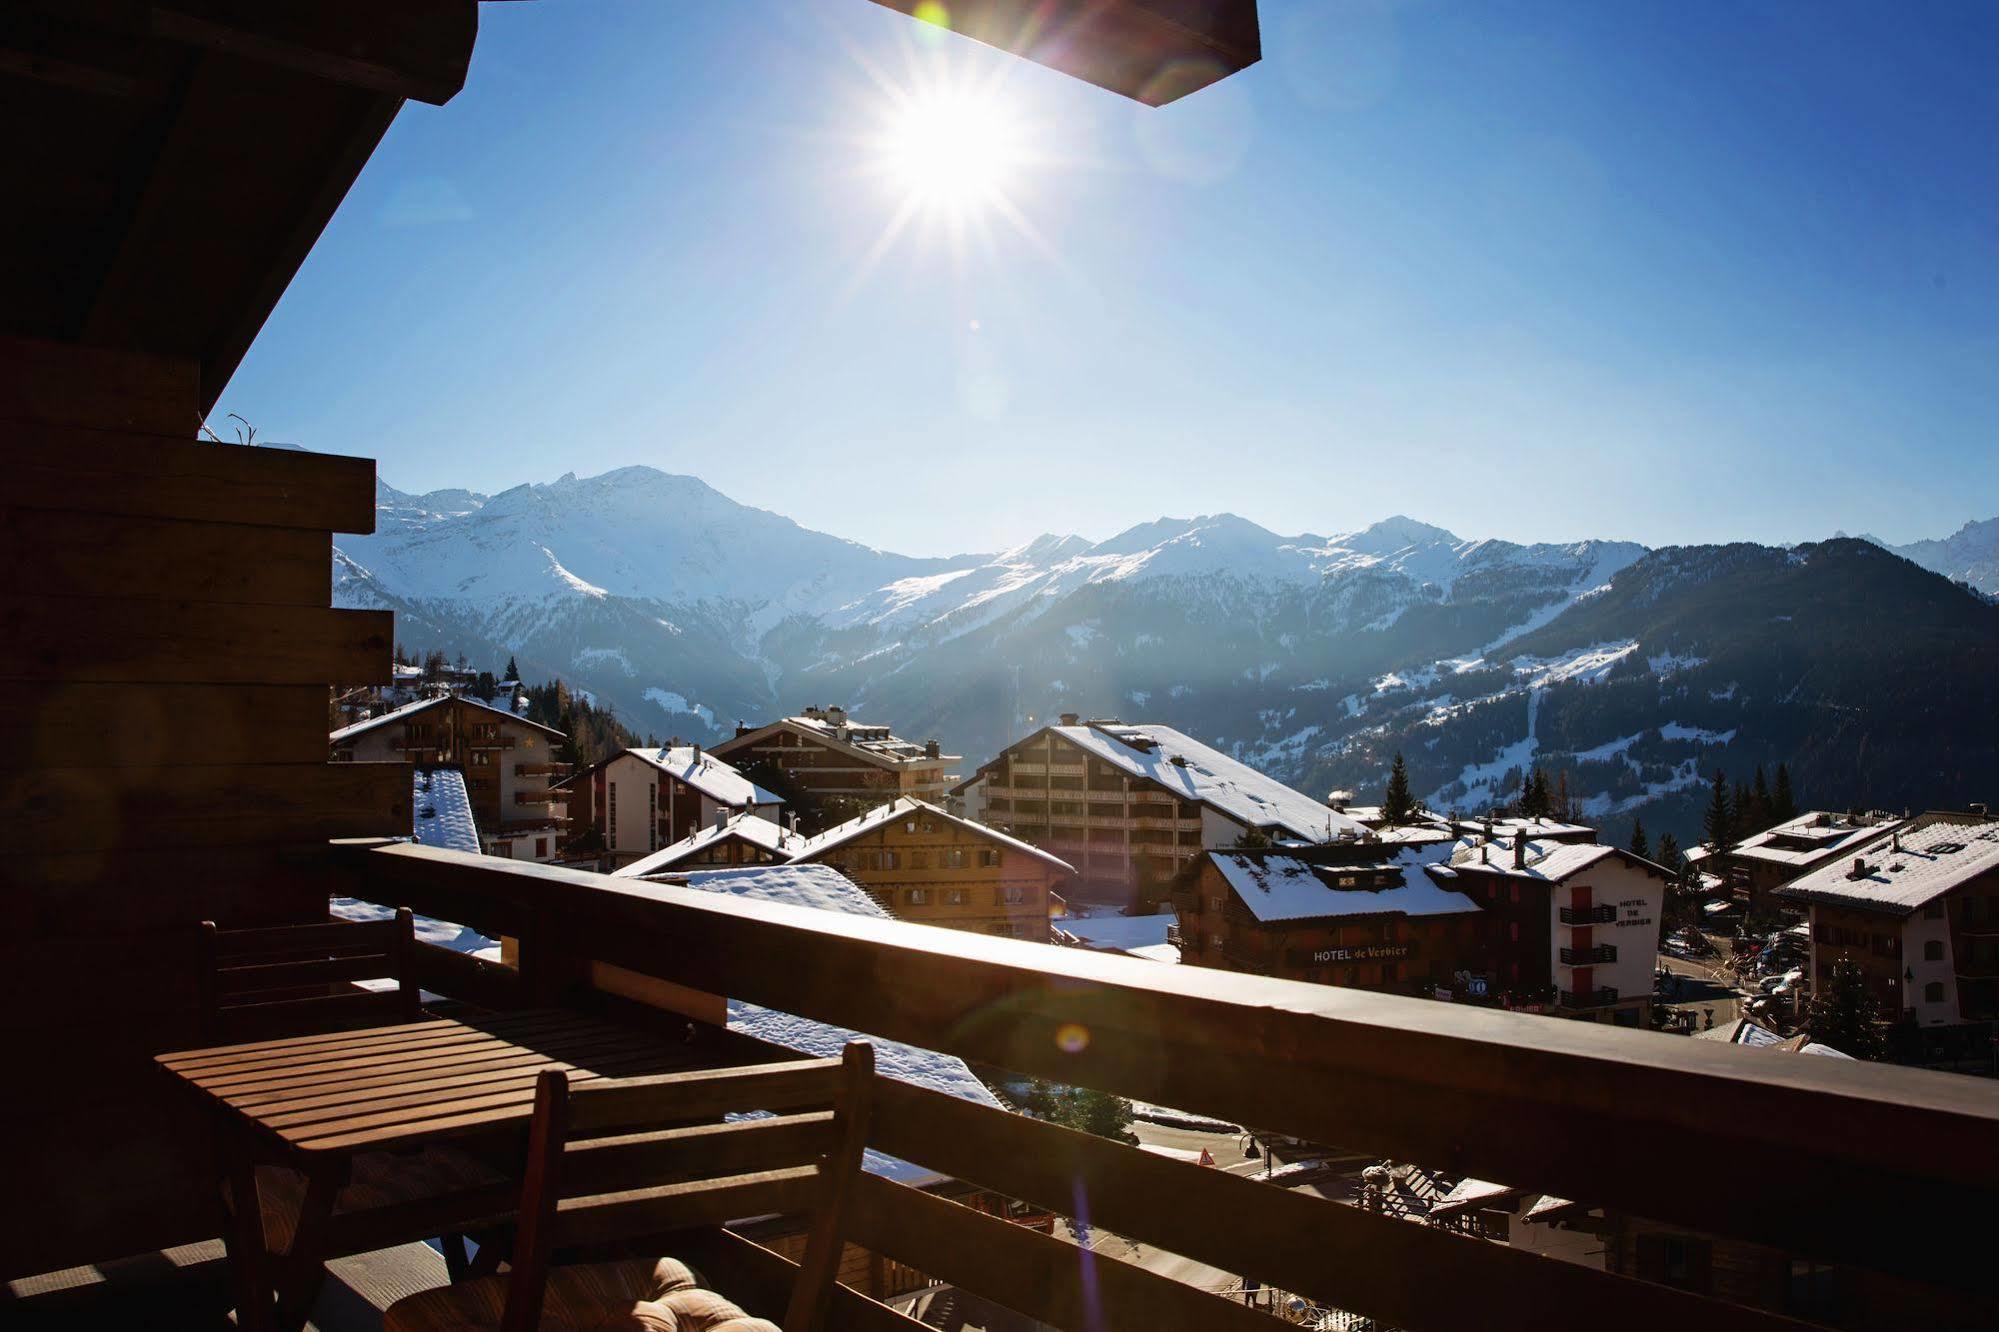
x=951 y=150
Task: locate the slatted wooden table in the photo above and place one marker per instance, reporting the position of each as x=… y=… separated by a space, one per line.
x=315 y=1103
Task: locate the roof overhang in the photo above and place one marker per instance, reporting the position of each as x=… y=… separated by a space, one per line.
x=1153 y=51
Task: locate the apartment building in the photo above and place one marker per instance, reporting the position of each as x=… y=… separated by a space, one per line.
x=1918 y=912
x=1362 y=914
x=507 y=761
x=1570 y=928
x=1757 y=866
x=640 y=800
x=1132 y=806
x=929 y=866
x=834 y=757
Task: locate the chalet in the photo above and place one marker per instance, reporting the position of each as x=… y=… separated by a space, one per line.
x=507 y=760
x=744 y=838
x=639 y=800
x=1132 y=805
x=1369 y=918
x=1918 y=912
x=155 y=576
x=1753 y=868
x=1571 y=927
x=927 y=865
x=832 y=757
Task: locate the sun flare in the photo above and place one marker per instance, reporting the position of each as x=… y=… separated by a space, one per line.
x=951 y=150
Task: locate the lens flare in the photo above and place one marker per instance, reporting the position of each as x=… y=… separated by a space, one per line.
x=1072 y=1038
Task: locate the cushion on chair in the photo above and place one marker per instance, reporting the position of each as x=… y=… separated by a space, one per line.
x=377 y=1179
x=635 y=1296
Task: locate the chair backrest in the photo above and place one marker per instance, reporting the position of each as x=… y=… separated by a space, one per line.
x=290 y=979
x=616 y=1159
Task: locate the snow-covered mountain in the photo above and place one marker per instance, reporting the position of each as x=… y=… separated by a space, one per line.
x=1970 y=555
x=1315 y=657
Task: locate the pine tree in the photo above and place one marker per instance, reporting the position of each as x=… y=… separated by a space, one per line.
x=1844 y=1015
x=1397 y=805
x=1535 y=800
x=1718 y=824
x=513 y=671
x=1103 y=1114
x=1783 y=806
x=1759 y=796
x=1564 y=803
x=1669 y=852
x=1639 y=845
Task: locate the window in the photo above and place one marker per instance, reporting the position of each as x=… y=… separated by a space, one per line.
x=1513 y=892
x=1013 y=896
x=955 y=897
x=1215 y=942
x=1933 y=992
x=954 y=857
x=989 y=859
x=540 y=849
x=917 y=897
x=1348 y=881
x=611 y=817
x=1513 y=930
x=1933 y=950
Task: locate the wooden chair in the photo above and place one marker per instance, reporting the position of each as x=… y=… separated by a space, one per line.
x=297 y=980
x=292 y=980
x=623 y=1163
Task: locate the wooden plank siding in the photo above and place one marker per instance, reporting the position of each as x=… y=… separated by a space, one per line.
x=166 y=643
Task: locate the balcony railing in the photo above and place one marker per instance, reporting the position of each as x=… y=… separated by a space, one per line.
x=1587 y=957
x=541 y=769
x=1601 y=997
x=1595 y=915
x=1404 y=1078
x=542 y=797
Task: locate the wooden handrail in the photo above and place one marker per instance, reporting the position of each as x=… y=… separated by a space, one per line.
x=1844 y=1153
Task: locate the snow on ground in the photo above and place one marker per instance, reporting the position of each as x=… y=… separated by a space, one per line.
x=678 y=703
x=1665 y=663
x=569 y=579
x=1138 y=697
x=597 y=656
x=1082 y=635
x=1586 y=666
x=1675 y=731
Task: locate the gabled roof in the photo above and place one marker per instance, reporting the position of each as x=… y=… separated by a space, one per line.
x=875 y=744
x=1202 y=774
x=767 y=834
x=1276 y=887
x=1813 y=837
x=1550 y=862
x=903 y=807
x=408 y=710
x=441 y=811
x=694 y=767
x=1910 y=869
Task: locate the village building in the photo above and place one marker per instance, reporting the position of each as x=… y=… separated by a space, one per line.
x=507 y=761
x=1361 y=914
x=744 y=838
x=639 y=800
x=832 y=757
x=932 y=867
x=1753 y=868
x=1571 y=928
x=1133 y=805
x=1918 y=913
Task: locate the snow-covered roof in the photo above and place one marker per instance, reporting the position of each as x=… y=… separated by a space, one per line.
x=1551 y=862
x=904 y=807
x=744 y=826
x=876 y=743
x=408 y=710
x=715 y=778
x=1117 y=934
x=1810 y=838
x=441 y=811
x=1279 y=887
x=1161 y=952
x=826 y=889
x=1544 y=828
x=1910 y=869
x=1470 y=1193
x=1198 y=772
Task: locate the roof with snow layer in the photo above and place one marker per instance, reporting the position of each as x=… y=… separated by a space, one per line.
x=906 y=807
x=408 y=710
x=1198 y=772
x=441 y=811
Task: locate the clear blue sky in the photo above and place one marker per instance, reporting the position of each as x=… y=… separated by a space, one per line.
x=1667 y=271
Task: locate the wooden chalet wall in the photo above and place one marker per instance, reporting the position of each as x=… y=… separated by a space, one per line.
x=165 y=646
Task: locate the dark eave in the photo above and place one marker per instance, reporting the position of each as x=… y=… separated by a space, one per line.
x=1154 y=51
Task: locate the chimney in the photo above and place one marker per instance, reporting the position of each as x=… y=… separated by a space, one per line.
x=1859 y=867
x=1895 y=840
x=1071 y=718
x=721 y=816
x=1488 y=829
x=931 y=749
x=743 y=728
x=1520 y=851
x=837 y=716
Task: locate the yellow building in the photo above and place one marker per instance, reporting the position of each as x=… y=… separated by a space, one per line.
x=929 y=866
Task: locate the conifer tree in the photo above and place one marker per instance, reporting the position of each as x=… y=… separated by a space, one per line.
x=1783 y=805
x=513 y=671
x=1718 y=824
x=1397 y=805
x=1669 y=852
x=1845 y=1016
x=1640 y=846
x=1535 y=799
x=1759 y=796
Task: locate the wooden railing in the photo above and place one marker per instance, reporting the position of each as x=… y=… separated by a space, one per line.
x=1843 y=1154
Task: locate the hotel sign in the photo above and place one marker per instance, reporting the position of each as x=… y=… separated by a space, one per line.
x=1374 y=953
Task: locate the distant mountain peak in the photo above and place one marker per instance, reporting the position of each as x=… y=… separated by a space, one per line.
x=1397 y=533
